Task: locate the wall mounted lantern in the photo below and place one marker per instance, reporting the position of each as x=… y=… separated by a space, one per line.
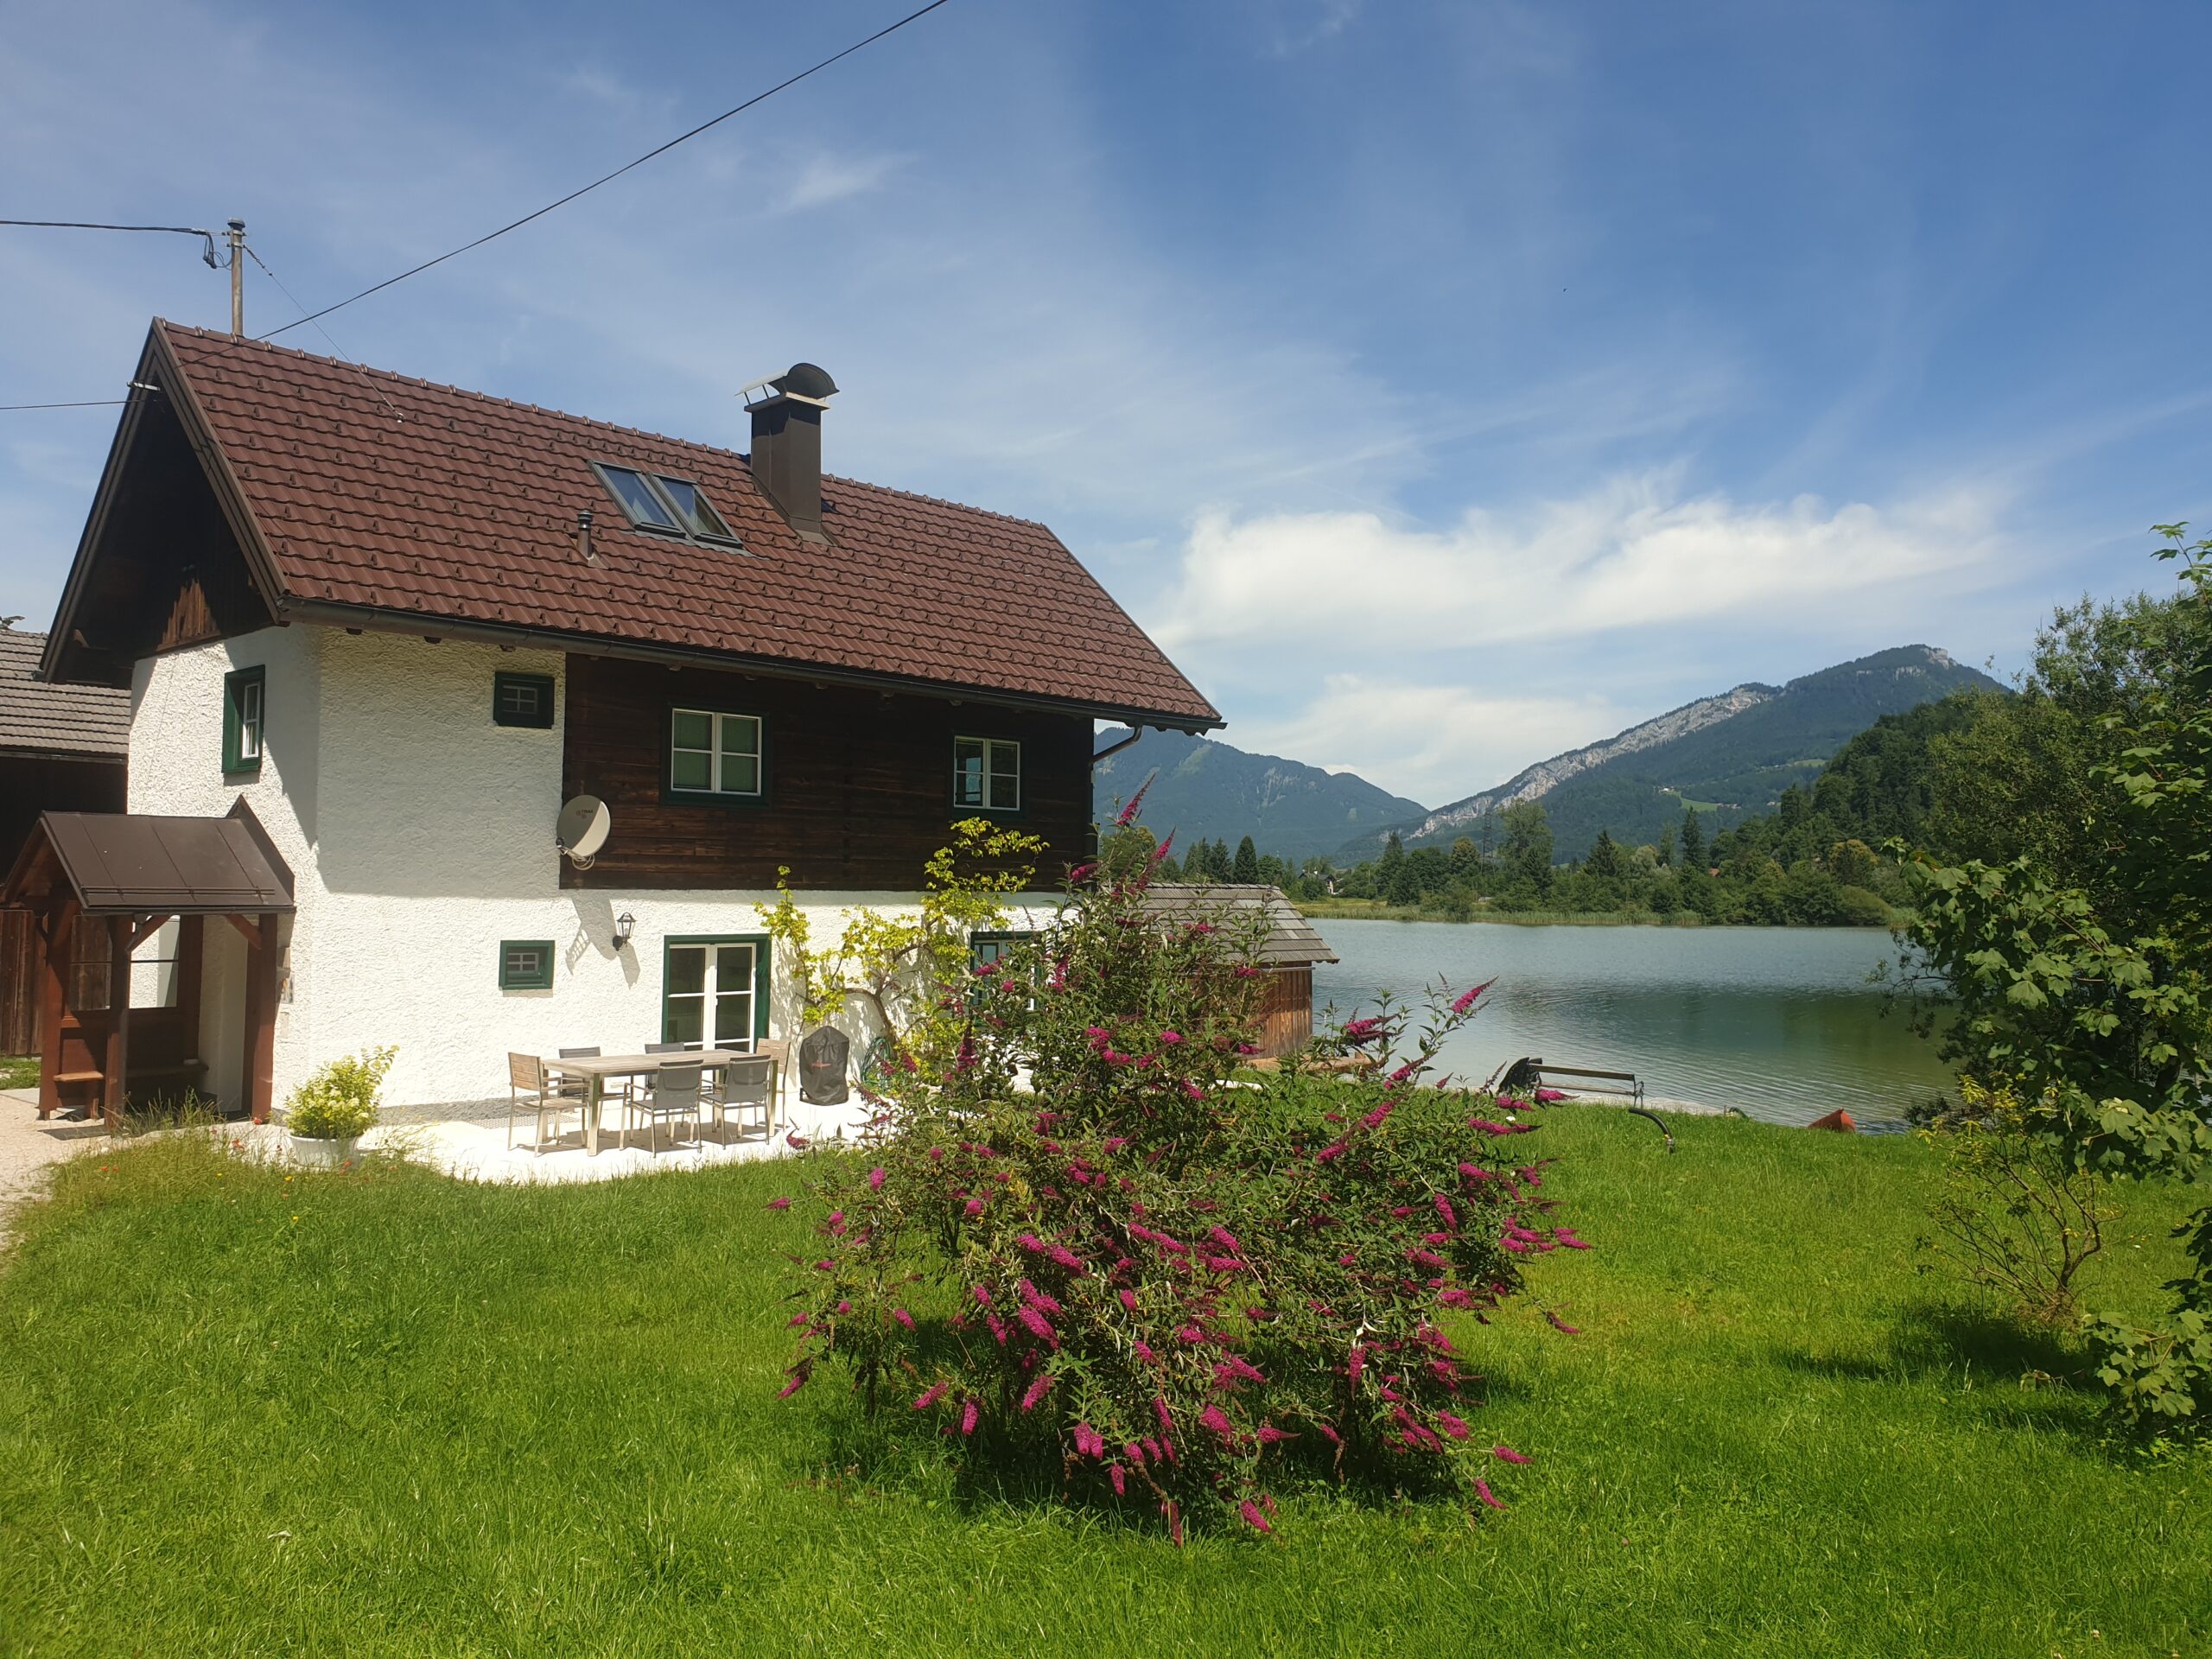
x=624 y=925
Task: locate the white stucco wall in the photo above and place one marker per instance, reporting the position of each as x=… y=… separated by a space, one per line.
x=421 y=835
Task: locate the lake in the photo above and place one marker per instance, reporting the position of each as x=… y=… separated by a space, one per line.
x=1778 y=1022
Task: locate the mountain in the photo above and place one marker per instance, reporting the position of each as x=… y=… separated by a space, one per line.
x=1209 y=789
x=1729 y=755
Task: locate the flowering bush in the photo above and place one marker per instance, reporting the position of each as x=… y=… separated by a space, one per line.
x=340 y=1100
x=1084 y=1238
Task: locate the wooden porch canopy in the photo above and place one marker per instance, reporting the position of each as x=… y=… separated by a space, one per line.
x=135 y=873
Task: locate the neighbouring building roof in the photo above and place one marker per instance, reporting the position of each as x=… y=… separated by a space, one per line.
x=122 y=863
x=371 y=491
x=37 y=717
x=1291 y=940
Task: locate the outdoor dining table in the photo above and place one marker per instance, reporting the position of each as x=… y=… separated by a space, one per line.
x=596 y=1068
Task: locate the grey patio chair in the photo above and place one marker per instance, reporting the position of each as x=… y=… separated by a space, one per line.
x=526 y=1075
x=674 y=1093
x=748 y=1087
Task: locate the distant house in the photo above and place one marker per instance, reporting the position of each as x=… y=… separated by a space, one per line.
x=62 y=748
x=1287 y=950
x=386 y=628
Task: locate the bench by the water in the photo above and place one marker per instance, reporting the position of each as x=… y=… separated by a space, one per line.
x=1531 y=1072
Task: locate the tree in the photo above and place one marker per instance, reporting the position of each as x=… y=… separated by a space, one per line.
x=1247 y=867
x=1387 y=867
x=1692 y=841
x=1466 y=860
x=1527 y=845
x=1604 y=859
x=2079 y=971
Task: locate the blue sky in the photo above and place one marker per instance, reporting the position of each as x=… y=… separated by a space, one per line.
x=1442 y=384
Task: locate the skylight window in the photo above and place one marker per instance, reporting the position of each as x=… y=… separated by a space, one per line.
x=673 y=505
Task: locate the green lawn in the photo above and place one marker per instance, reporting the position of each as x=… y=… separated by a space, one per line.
x=18 y=1070
x=389 y=1413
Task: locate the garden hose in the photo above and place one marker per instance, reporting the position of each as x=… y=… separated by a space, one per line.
x=1660 y=1121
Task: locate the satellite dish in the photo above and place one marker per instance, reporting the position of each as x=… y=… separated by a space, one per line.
x=582 y=829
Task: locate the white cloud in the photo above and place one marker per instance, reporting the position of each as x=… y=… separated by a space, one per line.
x=1434 y=743
x=1633 y=553
x=824 y=179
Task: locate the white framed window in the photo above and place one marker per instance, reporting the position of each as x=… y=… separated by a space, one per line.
x=714 y=991
x=714 y=752
x=986 y=773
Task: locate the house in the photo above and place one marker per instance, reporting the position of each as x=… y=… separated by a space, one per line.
x=383 y=629
x=1286 y=950
x=62 y=749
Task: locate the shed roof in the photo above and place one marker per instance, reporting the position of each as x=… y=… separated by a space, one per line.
x=1291 y=940
x=374 y=498
x=39 y=717
x=127 y=863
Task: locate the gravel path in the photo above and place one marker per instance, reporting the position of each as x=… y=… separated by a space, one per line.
x=28 y=1147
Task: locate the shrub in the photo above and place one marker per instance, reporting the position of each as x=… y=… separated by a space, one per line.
x=340 y=1100
x=2018 y=1215
x=1167 y=1283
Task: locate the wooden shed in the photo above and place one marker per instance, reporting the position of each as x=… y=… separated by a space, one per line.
x=1287 y=951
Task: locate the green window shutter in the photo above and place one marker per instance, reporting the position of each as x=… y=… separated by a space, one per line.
x=245 y=709
x=522 y=699
x=526 y=964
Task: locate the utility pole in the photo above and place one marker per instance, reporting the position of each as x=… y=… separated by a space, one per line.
x=235 y=237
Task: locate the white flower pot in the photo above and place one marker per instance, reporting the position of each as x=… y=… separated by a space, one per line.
x=324 y=1155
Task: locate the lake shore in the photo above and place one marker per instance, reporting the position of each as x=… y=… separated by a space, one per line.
x=1375 y=910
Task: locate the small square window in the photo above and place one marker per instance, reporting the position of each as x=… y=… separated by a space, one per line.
x=526 y=964
x=710 y=752
x=986 y=774
x=522 y=699
x=245 y=711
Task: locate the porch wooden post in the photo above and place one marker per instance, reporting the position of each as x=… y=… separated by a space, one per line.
x=191 y=935
x=53 y=998
x=118 y=1021
x=260 y=1017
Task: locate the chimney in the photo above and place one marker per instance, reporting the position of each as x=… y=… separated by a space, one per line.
x=787 y=443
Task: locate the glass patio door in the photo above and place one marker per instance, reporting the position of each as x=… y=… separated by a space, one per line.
x=708 y=998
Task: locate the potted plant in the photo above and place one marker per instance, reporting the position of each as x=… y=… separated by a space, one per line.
x=329 y=1113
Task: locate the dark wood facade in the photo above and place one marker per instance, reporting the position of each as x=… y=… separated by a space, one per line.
x=171 y=572
x=1286 y=1012
x=858 y=785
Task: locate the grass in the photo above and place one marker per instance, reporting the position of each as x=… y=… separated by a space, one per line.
x=19 y=1070
x=383 y=1413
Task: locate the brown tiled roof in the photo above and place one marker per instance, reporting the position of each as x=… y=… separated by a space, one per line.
x=1290 y=941
x=39 y=717
x=374 y=490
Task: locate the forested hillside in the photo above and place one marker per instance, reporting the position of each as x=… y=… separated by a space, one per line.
x=1205 y=789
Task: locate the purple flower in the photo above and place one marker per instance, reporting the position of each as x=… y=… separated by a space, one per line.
x=1250 y=1511
x=797 y=1382
x=1467 y=999
x=1487 y=1126
x=1037 y=1298
x=792 y=1138
x=1144 y=1351
x=968 y=1415
x=1115 y=1475
x=1509 y=1454
x=875 y=1180
x=1032 y=1243
x=1374 y=1119
x=930 y=1395
x=1128 y=1299
x=1211 y=1418
x=1483 y=1491
x=1036 y=1324
x=779 y=1203
x=1559 y=1324
x=1171 y=1038
x=1452 y=1425
x=972 y=1209
x=1548 y=1096
x=1037 y=1390
x=1128 y=813
x=1269 y=1434
x=1330 y=1154
x=1444 y=1209
x=903 y=1317
x=1160 y=1410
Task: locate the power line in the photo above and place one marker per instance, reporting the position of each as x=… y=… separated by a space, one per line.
x=79 y=225
x=608 y=178
x=89 y=402
x=398 y=419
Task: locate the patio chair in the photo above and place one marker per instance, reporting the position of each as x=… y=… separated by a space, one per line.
x=674 y=1093
x=748 y=1087
x=526 y=1075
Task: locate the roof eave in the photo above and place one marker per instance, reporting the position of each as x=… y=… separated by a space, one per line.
x=381 y=619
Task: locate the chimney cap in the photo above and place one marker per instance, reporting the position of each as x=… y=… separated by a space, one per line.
x=809 y=382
